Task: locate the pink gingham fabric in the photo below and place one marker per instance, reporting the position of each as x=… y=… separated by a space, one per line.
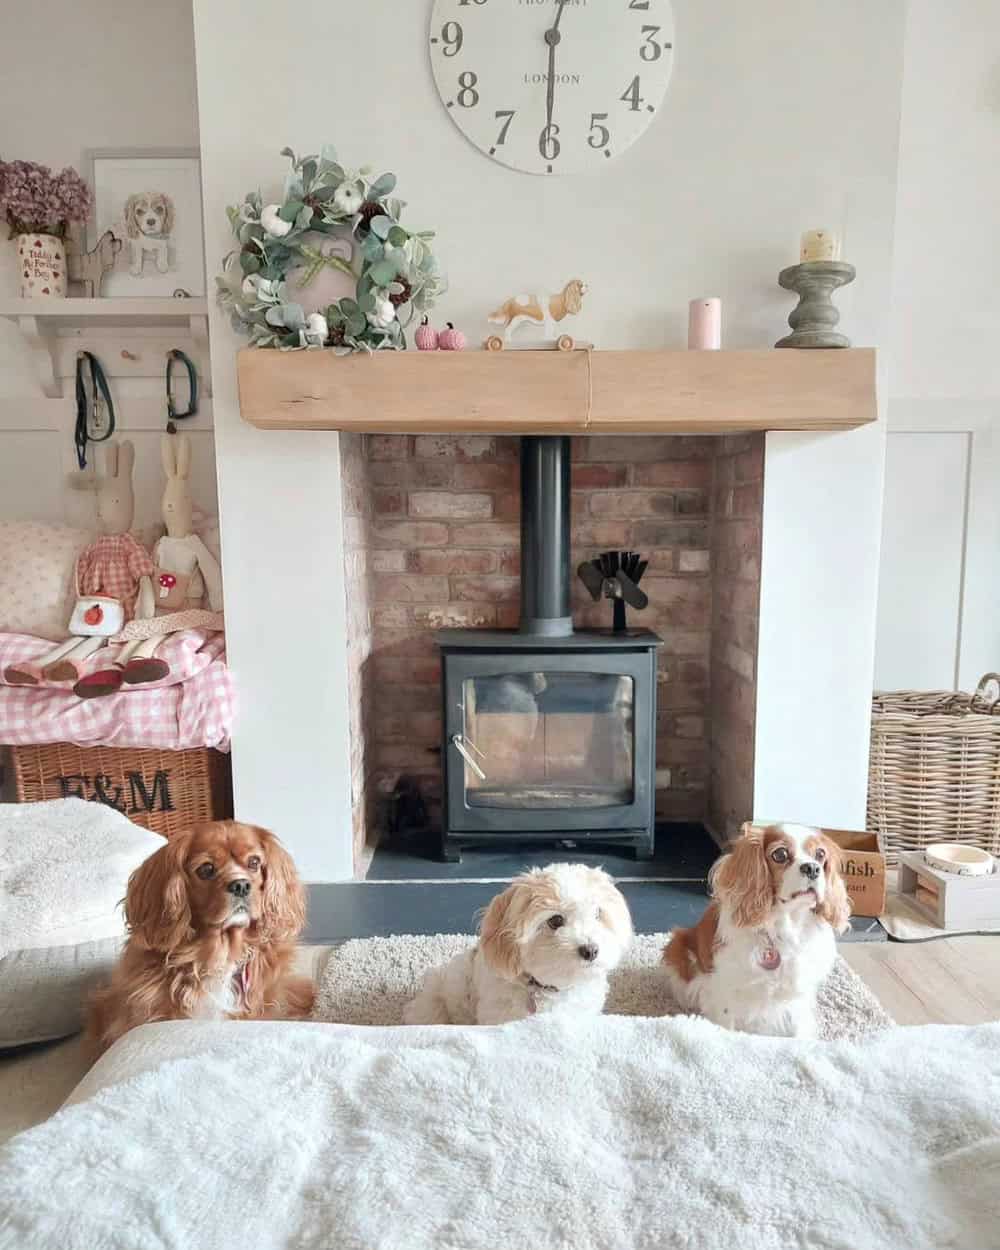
x=193 y=706
x=112 y=565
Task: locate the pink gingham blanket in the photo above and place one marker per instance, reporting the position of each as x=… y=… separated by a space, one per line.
x=193 y=706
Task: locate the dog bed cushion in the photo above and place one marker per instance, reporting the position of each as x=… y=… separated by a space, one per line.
x=64 y=866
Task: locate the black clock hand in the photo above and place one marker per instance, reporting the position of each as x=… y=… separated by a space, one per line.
x=552 y=37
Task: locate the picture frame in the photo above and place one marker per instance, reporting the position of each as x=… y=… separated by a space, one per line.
x=151 y=199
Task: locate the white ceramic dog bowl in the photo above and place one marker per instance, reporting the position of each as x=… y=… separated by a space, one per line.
x=957 y=857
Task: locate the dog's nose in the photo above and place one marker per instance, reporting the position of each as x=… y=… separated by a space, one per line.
x=240 y=887
x=588 y=952
x=809 y=870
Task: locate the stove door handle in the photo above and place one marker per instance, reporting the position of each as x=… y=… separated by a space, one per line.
x=459 y=744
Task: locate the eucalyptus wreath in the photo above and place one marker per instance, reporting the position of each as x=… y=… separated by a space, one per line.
x=333 y=217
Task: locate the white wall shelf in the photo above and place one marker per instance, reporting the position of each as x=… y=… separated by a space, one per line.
x=43 y=321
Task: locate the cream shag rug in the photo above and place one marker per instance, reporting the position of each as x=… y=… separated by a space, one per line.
x=369 y=980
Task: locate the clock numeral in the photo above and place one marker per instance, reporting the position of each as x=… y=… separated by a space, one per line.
x=502 y=136
x=468 y=97
x=631 y=96
x=548 y=144
x=650 y=50
x=600 y=136
x=632 y=4
x=453 y=38
x=464 y=4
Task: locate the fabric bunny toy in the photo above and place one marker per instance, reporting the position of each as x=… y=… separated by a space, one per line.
x=114 y=567
x=185 y=570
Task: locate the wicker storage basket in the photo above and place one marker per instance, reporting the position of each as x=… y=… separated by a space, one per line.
x=165 y=791
x=934 y=774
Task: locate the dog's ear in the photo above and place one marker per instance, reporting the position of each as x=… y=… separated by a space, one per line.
x=130 y=223
x=614 y=910
x=498 y=934
x=835 y=908
x=156 y=902
x=168 y=214
x=742 y=881
x=283 y=903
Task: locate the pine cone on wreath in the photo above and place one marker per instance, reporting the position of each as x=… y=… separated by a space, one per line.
x=399 y=298
x=368 y=210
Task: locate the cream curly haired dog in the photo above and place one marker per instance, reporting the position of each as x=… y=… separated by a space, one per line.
x=546 y=944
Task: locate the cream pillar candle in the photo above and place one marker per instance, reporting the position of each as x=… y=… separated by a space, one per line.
x=819 y=245
x=705 y=324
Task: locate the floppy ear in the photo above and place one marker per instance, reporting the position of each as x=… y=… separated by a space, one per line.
x=168 y=217
x=835 y=908
x=156 y=901
x=614 y=910
x=283 y=904
x=130 y=226
x=498 y=935
x=183 y=455
x=167 y=457
x=742 y=881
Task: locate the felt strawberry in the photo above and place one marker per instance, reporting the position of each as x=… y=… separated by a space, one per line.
x=451 y=340
x=94 y=615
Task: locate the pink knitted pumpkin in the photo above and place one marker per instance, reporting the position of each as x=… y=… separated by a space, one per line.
x=451 y=340
x=426 y=337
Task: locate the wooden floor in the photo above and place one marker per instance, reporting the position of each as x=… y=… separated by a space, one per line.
x=951 y=981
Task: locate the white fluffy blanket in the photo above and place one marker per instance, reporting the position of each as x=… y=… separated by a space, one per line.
x=64 y=866
x=604 y=1134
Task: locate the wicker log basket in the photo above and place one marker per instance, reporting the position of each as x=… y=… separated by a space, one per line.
x=165 y=791
x=934 y=774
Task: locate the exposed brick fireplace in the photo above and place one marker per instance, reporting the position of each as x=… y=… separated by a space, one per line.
x=432 y=541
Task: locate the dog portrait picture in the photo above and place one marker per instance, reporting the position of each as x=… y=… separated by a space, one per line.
x=149 y=222
x=151 y=199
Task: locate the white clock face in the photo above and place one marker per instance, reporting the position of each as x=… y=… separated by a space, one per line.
x=552 y=86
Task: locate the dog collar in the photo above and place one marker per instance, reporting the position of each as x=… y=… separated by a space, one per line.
x=532 y=984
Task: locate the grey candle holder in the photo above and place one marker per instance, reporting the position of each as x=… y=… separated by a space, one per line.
x=814 y=317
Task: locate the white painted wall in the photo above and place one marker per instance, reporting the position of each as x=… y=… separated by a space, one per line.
x=939 y=599
x=765 y=132
x=103 y=74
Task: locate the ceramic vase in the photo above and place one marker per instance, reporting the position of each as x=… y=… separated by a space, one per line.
x=42 y=266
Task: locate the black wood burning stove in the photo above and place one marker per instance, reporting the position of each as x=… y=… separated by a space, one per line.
x=549 y=733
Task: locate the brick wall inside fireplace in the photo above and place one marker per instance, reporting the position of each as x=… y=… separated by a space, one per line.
x=432 y=540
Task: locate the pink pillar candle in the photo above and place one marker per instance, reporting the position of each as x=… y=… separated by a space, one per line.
x=705 y=325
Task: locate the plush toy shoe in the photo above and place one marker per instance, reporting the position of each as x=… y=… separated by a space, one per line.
x=103 y=681
x=143 y=670
x=26 y=674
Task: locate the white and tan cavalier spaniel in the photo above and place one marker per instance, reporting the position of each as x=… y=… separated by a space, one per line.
x=546 y=944
x=149 y=222
x=757 y=957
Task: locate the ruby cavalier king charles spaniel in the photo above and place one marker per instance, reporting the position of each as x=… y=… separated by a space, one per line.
x=212 y=919
x=757 y=957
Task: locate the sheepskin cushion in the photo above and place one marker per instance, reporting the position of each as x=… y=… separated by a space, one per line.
x=64 y=867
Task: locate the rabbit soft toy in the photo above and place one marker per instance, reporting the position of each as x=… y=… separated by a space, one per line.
x=113 y=571
x=185 y=569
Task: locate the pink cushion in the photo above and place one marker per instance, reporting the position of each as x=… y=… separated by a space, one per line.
x=37 y=562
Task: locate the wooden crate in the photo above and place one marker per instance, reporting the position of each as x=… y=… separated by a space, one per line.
x=165 y=791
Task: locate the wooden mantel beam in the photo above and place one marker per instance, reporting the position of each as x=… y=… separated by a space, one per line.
x=550 y=392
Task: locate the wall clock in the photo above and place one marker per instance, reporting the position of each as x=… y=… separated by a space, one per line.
x=552 y=86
